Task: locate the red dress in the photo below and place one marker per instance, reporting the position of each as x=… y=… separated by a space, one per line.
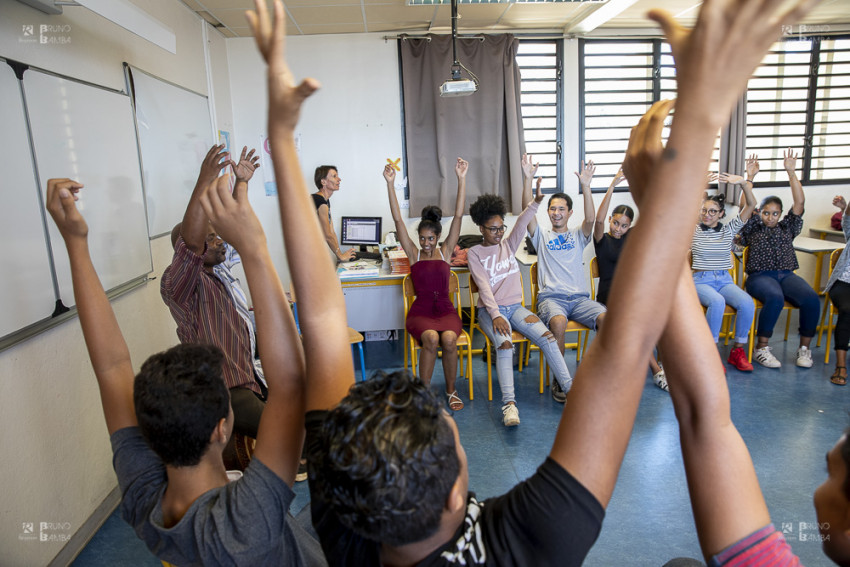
x=432 y=309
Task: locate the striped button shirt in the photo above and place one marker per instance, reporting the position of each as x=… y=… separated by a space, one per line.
x=205 y=314
x=711 y=249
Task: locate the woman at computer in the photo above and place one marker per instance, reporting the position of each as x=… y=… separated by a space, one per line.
x=432 y=319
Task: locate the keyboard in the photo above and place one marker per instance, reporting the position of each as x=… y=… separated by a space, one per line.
x=374 y=256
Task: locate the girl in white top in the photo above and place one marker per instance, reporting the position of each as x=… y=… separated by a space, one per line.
x=711 y=249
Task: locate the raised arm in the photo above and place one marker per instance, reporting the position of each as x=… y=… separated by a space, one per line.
x=461 y=167
x=799 y=198
x=584 y=179
x=725 y=494
x=281 y=429
x=194 y=228
x=602 y=212
x=321 y=306
x=713 y=64
x=528 y=171
x=110 y=357
x=747 y=186
x=404 y=239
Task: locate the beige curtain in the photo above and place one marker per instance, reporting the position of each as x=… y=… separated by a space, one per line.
x=484 y=128
x=733 y=150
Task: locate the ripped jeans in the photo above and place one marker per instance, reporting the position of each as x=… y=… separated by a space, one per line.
x=529 y=325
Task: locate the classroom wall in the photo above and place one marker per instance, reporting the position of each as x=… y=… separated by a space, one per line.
x=354 y=122
x=57 y=464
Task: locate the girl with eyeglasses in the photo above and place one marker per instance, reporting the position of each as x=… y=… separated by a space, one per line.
x=711 y=247
x=770 y=268
x=432 y=319
x=494 y=267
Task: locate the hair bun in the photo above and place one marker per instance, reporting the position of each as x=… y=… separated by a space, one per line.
x=432 y=213
x=720 y=198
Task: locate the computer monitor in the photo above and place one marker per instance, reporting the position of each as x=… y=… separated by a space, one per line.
x=362 y=231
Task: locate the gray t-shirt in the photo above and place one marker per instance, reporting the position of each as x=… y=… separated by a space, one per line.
x=560 y=270
x=242 y=523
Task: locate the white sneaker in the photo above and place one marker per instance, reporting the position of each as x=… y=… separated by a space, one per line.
x=510 y=415
x=660 y=380
x=764 y=357
x=804 y=357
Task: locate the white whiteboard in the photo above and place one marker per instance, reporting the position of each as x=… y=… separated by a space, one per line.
x=175 y=133
x=87 y=133
x=26 y=288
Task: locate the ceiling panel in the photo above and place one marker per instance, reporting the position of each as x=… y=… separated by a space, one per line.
x=347 y=16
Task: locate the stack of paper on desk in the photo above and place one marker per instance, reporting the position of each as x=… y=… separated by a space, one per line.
x=357 y=269
x=399 y=264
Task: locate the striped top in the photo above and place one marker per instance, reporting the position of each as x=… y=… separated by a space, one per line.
x=711 y=248
x=205 y=314
x=765 y=547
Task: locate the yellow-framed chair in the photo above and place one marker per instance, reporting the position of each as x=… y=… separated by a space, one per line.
x=759 y=304
x=464 y=342
x=572 y=327
x=516 y=337
x=730 y=314
x=833 y=258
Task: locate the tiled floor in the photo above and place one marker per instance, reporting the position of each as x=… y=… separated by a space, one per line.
x=788 y=417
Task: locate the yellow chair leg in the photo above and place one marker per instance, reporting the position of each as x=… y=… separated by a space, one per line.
x=828 y=334
x=469 y=370
x=406 y=346
x=489 y=373
x=822 y=320
x=787 y=323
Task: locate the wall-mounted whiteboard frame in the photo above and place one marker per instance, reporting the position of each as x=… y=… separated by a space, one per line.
x=175 y=132
x=84 y=131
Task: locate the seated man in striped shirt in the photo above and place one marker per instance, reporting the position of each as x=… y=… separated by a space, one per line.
x=201 y=303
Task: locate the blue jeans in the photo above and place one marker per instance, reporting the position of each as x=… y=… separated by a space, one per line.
x=772 y=288
x=517 y=317
x=716 y=290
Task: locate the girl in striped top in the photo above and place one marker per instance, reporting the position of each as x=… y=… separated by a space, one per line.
x=711 y=250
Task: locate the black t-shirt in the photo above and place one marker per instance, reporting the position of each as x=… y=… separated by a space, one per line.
x=548 y=519
x=318 y=200
x=607 y=253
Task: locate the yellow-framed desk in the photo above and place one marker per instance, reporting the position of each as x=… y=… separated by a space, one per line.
x=376 y=303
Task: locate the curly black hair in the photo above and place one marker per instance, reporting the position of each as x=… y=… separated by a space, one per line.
x=486 y=207
x=386 y=459
x=431 y=216
x=180 y=396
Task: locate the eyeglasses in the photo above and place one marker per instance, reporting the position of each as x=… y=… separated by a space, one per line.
x=709 y=212
x=771 y=213
x=496 y=229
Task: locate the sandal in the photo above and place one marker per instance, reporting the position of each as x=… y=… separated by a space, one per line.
x=837 y=378
x=454 y=401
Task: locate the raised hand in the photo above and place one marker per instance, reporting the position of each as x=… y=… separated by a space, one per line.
x=461 y=167
x=538 y=194
x=528 y=168
x=839 y=202
x=752 y=166
x=586 y=175
x=618 y=178
x=790 y=160
x=716 y=58
x=285 y=98
x=645 y=149
x=212 y=165
x=711 y=177
x=389 y=174
x=731 y=179
x=232 y=216
x=61 y=197
x=248 y=164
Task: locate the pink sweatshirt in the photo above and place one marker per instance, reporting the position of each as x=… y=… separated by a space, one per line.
x=495 y=268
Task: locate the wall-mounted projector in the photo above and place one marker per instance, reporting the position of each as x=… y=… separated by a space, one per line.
x=458 y=87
